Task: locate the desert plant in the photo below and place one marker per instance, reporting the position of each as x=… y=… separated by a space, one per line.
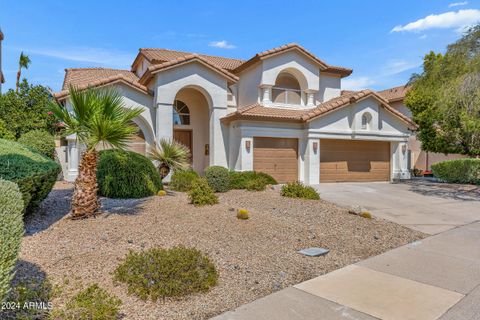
x=458 y=171
x=366 y=214
x=240 y=179
x=159 y=273
x=161 y=193
x=171 y=156
x=218 y=178
x=40 y=141
x=34 y=174
x=243 y=214
x=258 y=183
x=126 y=174
x=97 y=117
x=201 y=194
x=298 y=190
x=182 y=180
x=26 y=291
x=91 y=303
x=11 y=232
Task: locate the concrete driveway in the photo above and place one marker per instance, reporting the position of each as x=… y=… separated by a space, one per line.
x=425 y=206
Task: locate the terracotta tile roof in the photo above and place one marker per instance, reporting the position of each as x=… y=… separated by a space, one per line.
x=83 y=78
x=259 y=112
x=155 y=56
x=155 y=68
x=293 y=46
x=394 y=94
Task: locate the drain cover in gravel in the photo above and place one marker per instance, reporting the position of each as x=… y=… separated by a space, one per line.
x=314 y=252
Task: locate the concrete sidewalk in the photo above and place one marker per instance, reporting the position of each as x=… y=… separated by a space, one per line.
x=435 y=278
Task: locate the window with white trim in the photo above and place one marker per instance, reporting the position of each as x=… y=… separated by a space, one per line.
x=366 y=121
x=181 y=113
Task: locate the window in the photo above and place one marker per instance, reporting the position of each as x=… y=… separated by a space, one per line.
x=286 y=89
x=181 y=113
x=366 y=119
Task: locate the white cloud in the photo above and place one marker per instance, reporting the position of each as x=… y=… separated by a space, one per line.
x=358 y=83
x=423 y=36
x=222 y=44
x=100 y=56
x=458 y=4
x=458 y=20
x=397 y=66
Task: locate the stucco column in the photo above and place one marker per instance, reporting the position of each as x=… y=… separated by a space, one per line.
x=218 y=136
x=312 y=161
x=164 y=121
x=310 y=97
x=266 y=93
x=403 y=160
x=73 y=154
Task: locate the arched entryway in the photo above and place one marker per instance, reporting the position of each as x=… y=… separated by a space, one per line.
x=191 y=125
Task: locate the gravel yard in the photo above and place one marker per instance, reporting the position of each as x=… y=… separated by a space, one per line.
x=254 y=257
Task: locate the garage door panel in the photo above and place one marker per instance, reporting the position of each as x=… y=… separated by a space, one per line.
x=347 y=160
x=277 y=157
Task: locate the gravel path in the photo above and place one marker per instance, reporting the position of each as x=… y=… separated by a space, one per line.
x=254 y=257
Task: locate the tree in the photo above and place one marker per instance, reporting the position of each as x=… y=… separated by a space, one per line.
x=444 y=98
x=26 y=110
x=96 y=117
x=171 y=155
x=23 y=63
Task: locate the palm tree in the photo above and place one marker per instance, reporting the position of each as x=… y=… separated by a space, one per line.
x=23 y=63
x=171 y=156
x=97 y=117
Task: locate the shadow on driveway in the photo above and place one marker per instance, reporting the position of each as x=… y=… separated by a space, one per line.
x=462 y=192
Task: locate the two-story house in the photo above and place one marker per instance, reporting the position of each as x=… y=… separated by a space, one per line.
x=281 y=112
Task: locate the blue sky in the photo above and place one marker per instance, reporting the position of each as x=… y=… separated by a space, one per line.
x=383 y=41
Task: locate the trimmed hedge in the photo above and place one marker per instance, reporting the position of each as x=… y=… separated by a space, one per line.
x=11 y=232
x=299 y=190
x=126 y=174
x=243 y=179
x=40 y=141
x=34 y=173
x=182 y=180
x=218 y=178
x=458 y=171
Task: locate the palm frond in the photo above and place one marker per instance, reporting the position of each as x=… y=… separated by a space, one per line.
x=171 y=154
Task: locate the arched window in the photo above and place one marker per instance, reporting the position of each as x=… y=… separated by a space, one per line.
x=287 y=89
x=366 y=119
x=181 y=113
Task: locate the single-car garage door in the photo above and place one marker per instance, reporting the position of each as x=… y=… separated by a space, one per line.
x=347 y=160
x=276 y=156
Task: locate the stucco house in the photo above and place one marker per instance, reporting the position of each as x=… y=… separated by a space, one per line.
x=282 y=111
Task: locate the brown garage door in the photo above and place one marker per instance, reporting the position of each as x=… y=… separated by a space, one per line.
x=346 y=160
x=276 y=156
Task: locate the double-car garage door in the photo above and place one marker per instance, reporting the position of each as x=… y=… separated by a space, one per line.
x=340 y=160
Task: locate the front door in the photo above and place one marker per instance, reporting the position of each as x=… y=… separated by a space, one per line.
x=184 y=137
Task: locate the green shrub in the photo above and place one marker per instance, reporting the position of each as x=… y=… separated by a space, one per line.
x=34 y=173
x=158 y=273
x=11 y=232
x=458 y=171
x=239 y=180
x=218 y=178
x=90 y=304
x=182 y=180
x=258 y=183
x=5 y=133
x=201 y=194
x=40 y=141
x=126 y=174
x=298 y=190
x=29 y=290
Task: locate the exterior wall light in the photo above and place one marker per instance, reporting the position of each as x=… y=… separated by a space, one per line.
x=404 y=148
x=315 y=147
x=207 y=149
x=247 y=145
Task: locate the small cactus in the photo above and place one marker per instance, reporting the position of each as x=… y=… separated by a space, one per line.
x=162 y=193
x=243 y=214
x=366 y=214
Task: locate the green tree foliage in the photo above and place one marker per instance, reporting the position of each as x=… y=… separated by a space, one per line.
x=26 y=110
x=444 y=98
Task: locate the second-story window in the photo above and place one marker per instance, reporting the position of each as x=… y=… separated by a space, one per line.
x=366 y=120
x=181 y=113
x=286 y=90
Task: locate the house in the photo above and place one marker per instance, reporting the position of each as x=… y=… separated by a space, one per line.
x=417 y=158
x=282 y=112
x=2 y=78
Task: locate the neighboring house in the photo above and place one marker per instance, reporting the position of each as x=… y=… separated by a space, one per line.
x=2 y=78
x=418 y=158
x=280 y=112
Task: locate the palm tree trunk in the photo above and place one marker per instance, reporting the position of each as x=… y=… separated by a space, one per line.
x=17 y=84
x=85 y=203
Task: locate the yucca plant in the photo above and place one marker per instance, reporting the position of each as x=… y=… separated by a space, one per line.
x=170 y=155
x=97 y=117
